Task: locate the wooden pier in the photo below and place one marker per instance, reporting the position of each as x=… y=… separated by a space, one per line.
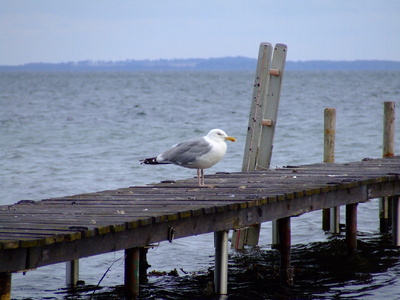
x=39 y=233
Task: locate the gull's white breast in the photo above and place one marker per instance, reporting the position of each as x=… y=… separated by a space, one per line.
x=216 y=153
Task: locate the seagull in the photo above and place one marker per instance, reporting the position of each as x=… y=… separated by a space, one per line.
x=199 y=153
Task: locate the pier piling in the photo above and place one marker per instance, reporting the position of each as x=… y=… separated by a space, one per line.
x=386 y=204
x=284 y=247
x=331 y=216
x=143 y=265
x=5 y=286
x=72 y=273
x=132 y=272
x=384 y=214
x=221 y=262
x=334 y=219
x=395 y=220
x=388 y=129
x=351 y=228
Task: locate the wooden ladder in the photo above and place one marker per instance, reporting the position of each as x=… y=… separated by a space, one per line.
x=262 y=123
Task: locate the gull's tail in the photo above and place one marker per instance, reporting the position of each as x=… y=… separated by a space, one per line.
x=149 y=161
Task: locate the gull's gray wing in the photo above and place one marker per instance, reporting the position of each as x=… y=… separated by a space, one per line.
x=185 y=153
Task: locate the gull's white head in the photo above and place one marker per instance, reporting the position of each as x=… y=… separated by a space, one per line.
x=219 y=134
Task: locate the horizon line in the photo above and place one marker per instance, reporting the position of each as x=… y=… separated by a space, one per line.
x=193 y=58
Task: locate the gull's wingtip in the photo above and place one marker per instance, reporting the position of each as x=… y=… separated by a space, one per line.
x=149 y=161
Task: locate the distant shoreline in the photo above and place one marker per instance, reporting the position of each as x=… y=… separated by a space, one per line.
x=212 y=64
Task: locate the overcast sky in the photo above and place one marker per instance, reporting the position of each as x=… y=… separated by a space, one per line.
x=61 y=31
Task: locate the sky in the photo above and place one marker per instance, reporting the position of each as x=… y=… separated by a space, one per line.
x=57 y=31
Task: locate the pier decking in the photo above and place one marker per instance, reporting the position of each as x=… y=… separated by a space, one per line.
x=39 y=233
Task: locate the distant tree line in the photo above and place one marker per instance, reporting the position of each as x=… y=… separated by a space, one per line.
x=222 y=64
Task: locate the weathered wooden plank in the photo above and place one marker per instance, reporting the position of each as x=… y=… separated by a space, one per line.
x=261 y=83
x=270 y=109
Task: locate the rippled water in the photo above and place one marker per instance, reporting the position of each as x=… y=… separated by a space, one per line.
x=69 y=133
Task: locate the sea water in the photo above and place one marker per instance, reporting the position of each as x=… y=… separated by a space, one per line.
x=66 y=133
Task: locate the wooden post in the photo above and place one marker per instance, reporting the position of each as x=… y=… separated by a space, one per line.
x=395 y=220
x=239 y=237
x=72 y=273
x=334 y=219
x=132 y=272
x=351 y=228
x=330 y=216
x=389 y=129
x=284 y=247
x=143 y=265
x=388 y=151
x=221 y=262
x=262 y=123
x=275 y=234
x=329 y=134
x=384 y=214
x=5 y=286
x=326 y=219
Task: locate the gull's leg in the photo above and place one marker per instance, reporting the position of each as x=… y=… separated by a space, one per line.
x=201 y=175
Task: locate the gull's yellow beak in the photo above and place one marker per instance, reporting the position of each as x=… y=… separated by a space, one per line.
x=230 y=138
